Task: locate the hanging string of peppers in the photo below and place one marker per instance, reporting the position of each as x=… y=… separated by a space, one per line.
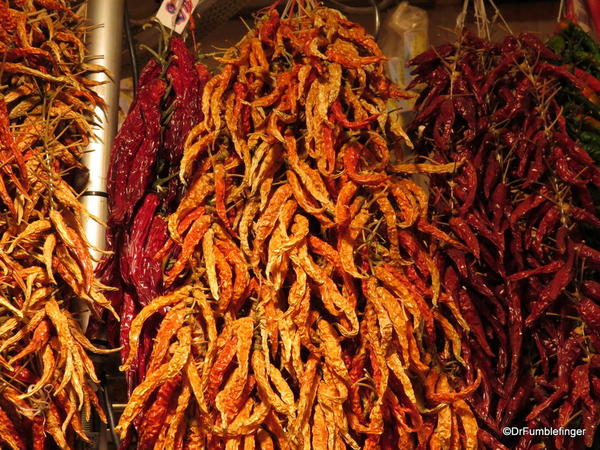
x=521 y=203
x=143 y=187
x=303 y=306
x=46 y=110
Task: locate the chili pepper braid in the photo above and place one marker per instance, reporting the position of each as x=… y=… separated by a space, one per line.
x=304 y=303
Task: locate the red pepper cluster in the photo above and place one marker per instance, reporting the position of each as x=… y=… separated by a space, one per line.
x=142 y=188
x=517 y=202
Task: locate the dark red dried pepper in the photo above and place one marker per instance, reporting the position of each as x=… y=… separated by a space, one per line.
x=135 y=150
x=551 y=292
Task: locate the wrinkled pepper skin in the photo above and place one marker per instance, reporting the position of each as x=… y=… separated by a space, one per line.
x=134 y=153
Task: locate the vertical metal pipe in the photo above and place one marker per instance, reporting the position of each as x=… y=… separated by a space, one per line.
x=104 y=42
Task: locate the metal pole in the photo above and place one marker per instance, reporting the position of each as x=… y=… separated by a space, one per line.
x=104 y=40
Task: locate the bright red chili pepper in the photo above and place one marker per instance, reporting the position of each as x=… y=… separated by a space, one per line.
x=548 y=268
x=351 y=155
x=552 y=291
x=340 y=117
x=462 y=229
x=531 y=202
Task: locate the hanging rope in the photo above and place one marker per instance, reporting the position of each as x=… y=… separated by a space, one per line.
x=561 y=8
x=483 y=23
x=481 y=19
x=460 y=19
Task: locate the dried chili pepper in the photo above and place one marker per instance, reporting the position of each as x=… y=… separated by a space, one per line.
x=136 y=147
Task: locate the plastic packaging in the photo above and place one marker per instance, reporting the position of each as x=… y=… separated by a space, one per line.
x=404 y=36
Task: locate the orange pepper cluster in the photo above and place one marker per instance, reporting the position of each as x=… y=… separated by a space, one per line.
x=46 y=110
x=303 y=305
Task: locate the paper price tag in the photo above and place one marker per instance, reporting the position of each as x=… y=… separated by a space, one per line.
x=176 y=14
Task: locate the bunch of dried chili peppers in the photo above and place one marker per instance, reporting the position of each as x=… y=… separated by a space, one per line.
x=302 y=305
x=143 y=187
x=46 y=110
x=518 y=203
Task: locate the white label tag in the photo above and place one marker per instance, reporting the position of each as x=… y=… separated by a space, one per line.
x=176 y=14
